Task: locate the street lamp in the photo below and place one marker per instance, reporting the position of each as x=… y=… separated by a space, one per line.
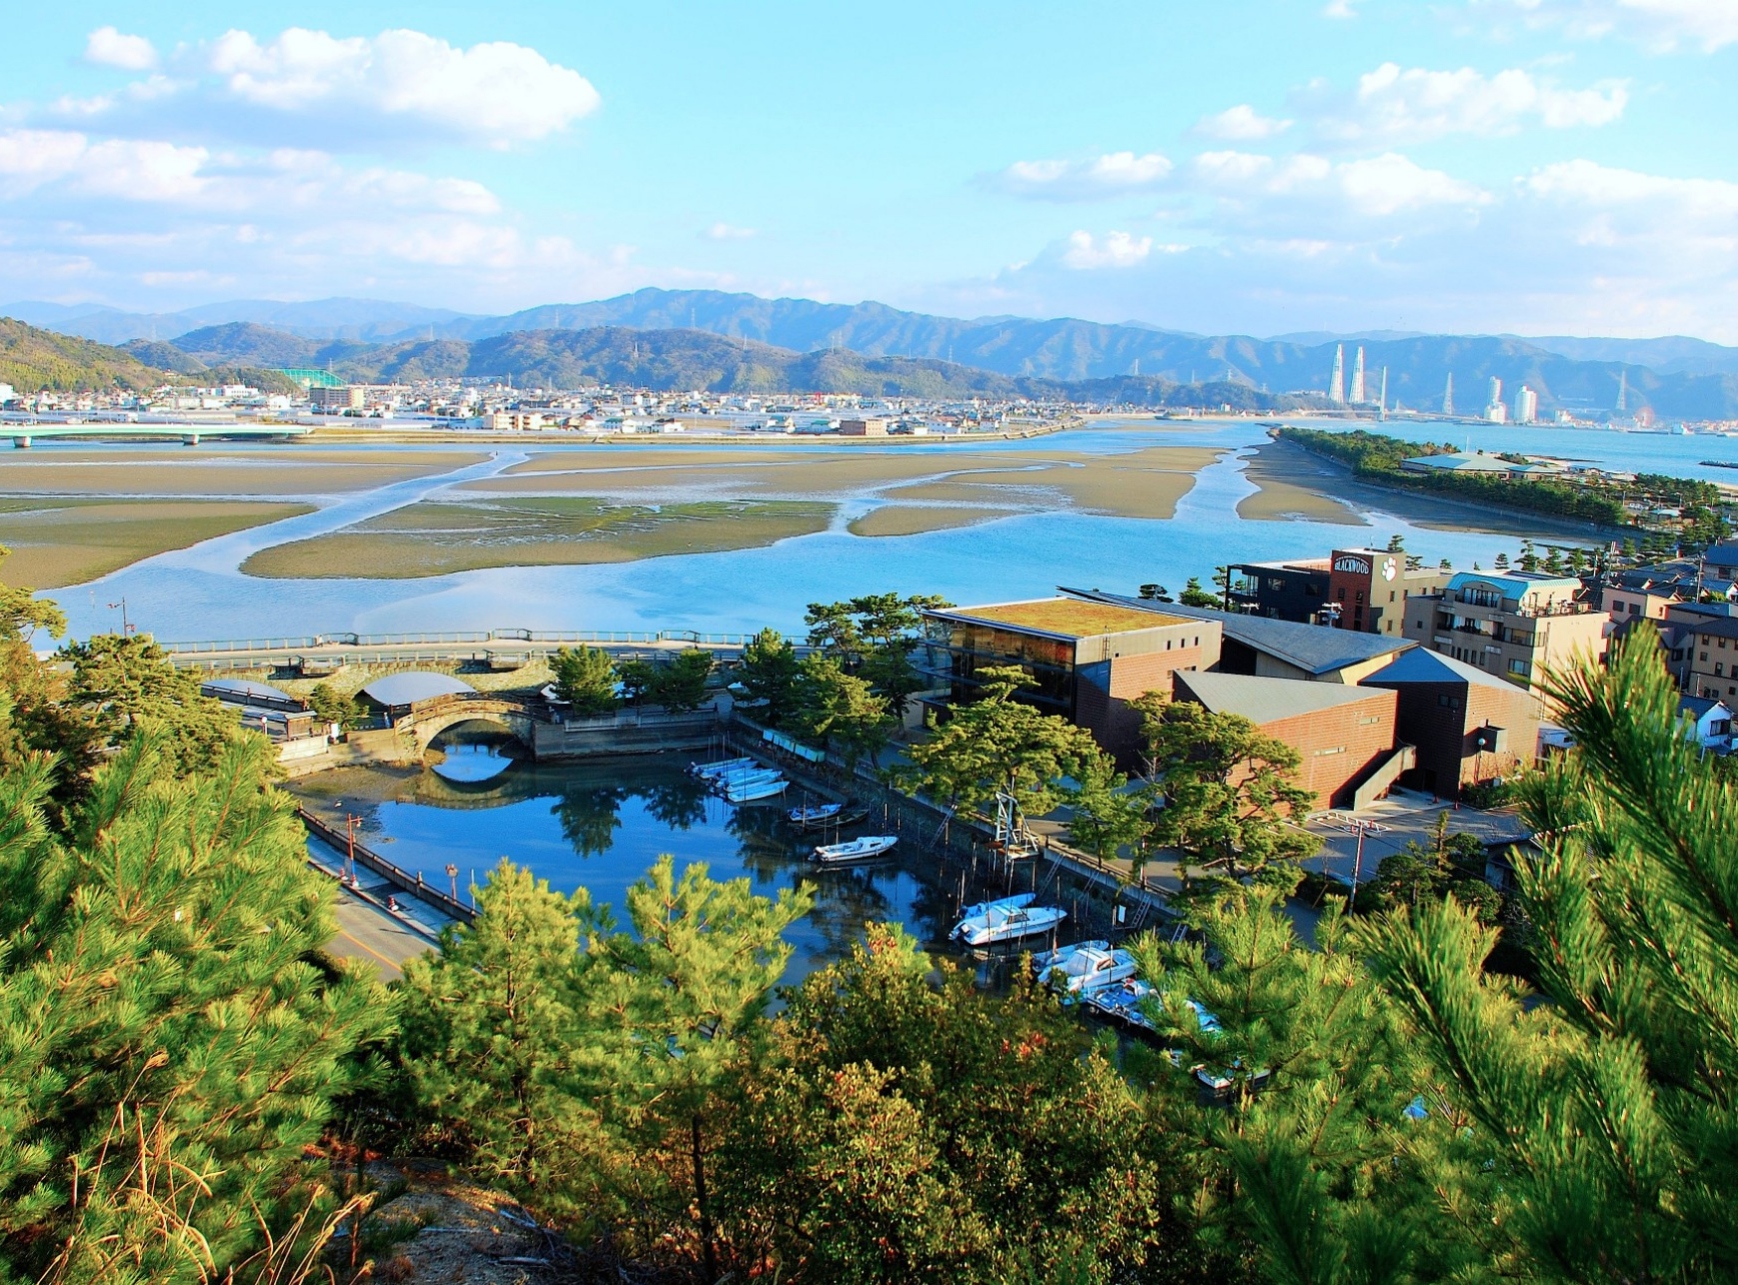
x=126 y=628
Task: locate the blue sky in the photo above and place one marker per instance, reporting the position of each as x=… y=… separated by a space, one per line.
x=1537 y=166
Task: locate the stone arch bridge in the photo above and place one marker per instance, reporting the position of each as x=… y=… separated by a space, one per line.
x=428 y=719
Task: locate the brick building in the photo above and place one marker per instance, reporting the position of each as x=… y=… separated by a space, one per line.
x=1466 y=724
x=1088 y=659
x=1345 y=736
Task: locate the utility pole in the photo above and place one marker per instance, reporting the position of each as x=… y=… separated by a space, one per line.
x=1363 y=828
x=352 y=823
x=126 y=626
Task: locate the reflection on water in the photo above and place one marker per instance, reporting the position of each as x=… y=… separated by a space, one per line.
x=600 y=825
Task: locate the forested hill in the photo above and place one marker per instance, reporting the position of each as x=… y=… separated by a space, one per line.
x=680 y=359
x=32 y=360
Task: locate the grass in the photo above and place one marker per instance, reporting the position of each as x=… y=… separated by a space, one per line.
x=436 y=538
x=61 y=542
x=1072 y=617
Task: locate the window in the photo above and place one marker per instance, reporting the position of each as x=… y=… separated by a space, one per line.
x=1390 y=595
x=1167 y=644
x=1342 y=593
x=1634 y=608
x=1360 y=601
x=1719 y=670
x=1521 y=667
x=1369 y=722
x=1338 y=749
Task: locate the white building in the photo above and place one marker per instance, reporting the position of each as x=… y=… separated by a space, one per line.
x=1526 y=405
x=1495 y=411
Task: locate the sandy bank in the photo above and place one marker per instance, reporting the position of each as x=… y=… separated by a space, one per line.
x=285 y=471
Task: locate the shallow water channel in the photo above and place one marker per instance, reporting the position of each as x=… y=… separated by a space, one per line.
x=600 y=824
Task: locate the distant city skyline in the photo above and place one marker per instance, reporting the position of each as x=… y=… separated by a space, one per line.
x=1485 y=166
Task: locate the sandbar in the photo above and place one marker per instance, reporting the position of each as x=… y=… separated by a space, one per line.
x=56 y=543
x=1294 y=488
x=1137 y=483
x=435 y=538
x=917 y=519
x=198 y=471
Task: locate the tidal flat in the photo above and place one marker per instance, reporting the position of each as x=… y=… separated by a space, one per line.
x=440 y=537
x=66 y=541
x=216 y=472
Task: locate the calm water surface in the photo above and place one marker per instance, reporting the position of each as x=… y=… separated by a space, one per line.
x=600 y=825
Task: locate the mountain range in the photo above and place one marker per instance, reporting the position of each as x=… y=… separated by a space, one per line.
x=1675 y=376
x=1062 y=348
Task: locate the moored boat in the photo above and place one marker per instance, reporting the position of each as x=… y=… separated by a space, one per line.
x=1001 y=903
x=749 y=791
x=1044 y=960
x=867 y=848
x=816 y=813
x=722 y=767
x=1008 y=923
x=1090 y=969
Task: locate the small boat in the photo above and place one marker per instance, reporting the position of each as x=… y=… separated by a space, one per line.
x=820 y=812
x=847 y=816
x=721 y=768
x=1121 y=1002
x=1018 y=900
x=749 y=791
x=1008 y=923
x=1090 y=969
x=867 y=848
x=742 y=780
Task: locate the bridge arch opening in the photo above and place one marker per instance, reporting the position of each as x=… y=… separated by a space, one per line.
x=475 y=750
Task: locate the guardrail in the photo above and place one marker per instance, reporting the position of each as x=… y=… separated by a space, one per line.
x=393 y=874
x=309 y=642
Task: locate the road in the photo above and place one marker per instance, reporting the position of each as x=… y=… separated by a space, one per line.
x=368 y=933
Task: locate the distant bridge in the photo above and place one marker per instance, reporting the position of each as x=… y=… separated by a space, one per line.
x=498 y=649
x=25 y=435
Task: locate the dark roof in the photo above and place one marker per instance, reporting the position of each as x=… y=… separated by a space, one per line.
x=1421 y=666
x=1722 y=555
x=1315 y=649
x=1266 y=700
x=239 y=690
x=409 y=688
x=1717 y=626
x=1696 y=706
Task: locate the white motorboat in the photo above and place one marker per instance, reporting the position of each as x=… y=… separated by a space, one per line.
x=1008 y=923
x=1090 y=969
x=1002 y=903
x=864 y=849
x=1044 y=960
x=816 y=814
x=749 y=791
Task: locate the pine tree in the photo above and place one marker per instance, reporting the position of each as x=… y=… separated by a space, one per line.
x=1230 y=797
x=996 y=743
x=1108 y=816
x=1293 y=1062
x=585 y=677
x=129 y=685
x=171 y=1035
x=1601 y=1139
x=669 y=1008
x=839 y=710
x=769 y=676
x=895 y=1130
x=486 y=1025
x=680 y=685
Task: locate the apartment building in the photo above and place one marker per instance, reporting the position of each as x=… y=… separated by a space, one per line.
x=1515 y=624
x=1712 y=663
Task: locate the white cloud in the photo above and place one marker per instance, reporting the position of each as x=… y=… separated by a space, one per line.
x=1663 y=26
x=107 y=47
x=496 y=93
x=129 y=169
x=1339 y=9
x=727 y=232
x=1111 y=174
x=1116 y=250
x=1394 y=105
x=1241 y=123
x=1372 y=187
